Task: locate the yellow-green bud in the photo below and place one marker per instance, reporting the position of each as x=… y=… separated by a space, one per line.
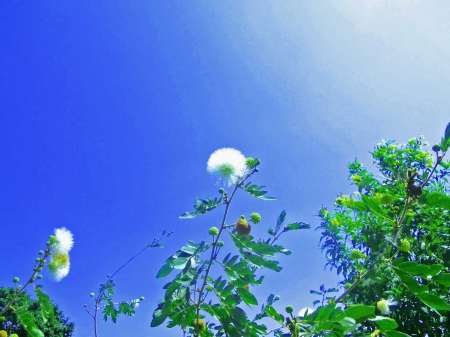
x=289 y=309
x=356 y=178
x=3 y=333
x=404 y=246
x=92 y=294
x=15 y=279
x=41 y=252
x=255 y=217
x=347 y=285
x=213 y=231
x=221 y=190
x=219 y=243
x=2 y=319
x=14 y=335
x=39 y=277
x=209 y=288
x=38 y=259
x=356 y=254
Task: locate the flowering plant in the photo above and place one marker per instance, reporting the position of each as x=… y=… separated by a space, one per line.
x=387 y=241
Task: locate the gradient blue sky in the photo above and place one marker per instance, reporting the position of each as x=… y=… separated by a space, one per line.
x=109 y=111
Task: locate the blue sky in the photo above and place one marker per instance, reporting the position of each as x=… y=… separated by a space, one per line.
x=110 y=110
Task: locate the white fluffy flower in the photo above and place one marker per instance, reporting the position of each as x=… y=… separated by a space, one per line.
x=383 y=305
x=58 y=274
x=228 y=165
x=64 y=241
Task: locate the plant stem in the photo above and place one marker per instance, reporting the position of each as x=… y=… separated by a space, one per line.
x=30 y=280
x=214 y=245
x=100 y=295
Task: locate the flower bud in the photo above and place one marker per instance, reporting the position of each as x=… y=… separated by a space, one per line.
x=277 y=298
x=214 y=231
x=15 y=279
x=39 y=277
x=92 y=294
x=209 y=288
x=41 y=252
x=14 y=335
x=255 y=217
x=38 y=259
x=436 y=148
x=289 y=309
x=404 y=246
x=219 y=243
x=2 y=319
x=141 y=298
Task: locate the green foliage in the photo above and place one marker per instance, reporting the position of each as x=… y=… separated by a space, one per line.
x=218 y=289
x=397 y=218
x=35 y=318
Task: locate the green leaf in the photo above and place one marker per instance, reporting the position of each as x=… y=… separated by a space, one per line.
x=443 y=279
x=180 y=262
x=384 y=323
x=411 y=283
x=165 y=270
x=433 y=301
x=437 y=199
x=247 y=296
x=372 y=205
x=296 y=225
x=274 y=314
x=256 y=191
x=26 y=319
x=360 y=312
x=202 y=206
x=447 y=132
x=45 y=304
x=252 y=162
x=414 y=268
x=393 y=333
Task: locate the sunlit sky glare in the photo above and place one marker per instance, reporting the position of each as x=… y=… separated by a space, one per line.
x=109 y=112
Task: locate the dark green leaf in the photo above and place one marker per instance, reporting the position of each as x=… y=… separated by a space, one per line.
x=384 y=323
x=256 y=191
x=443 y=279
x=433 y=301
x=360 y=312
x=296 y=225
x=247 y=296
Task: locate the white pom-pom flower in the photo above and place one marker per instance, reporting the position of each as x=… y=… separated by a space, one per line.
x=63 y=242
x=383 y=305
x=228 y=165
x=59 y=273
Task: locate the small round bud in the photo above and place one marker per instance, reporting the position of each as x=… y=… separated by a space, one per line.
x=347 y=285
x=38 y=259
x=277 y=297
x=356 y=254
x=14 y=335
x=221 y=190
x=436 y=148
x=289 y=309
x=85 y=305
x=48 y=243
x=41 y=252
x=39 y=277
x=219 y=243
x=141 y=298
x=213 y=231
x=2 y=319
x=108 y=275
x=39 y=269
x=209 y=288
x=15 y=279
x=92 y=294
x=404 y=246
x=255 y=217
